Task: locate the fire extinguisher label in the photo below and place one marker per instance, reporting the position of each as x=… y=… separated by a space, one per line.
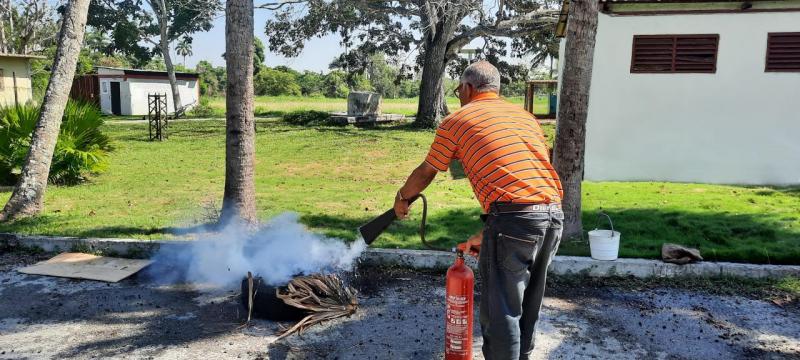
x=457 y=331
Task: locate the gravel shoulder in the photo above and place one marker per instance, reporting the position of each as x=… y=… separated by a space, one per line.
x=401 y=317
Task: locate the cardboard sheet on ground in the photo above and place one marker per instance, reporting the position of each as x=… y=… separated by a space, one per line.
x=87 y=266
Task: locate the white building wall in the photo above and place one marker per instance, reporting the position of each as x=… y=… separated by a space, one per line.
x=105 y=94
x=134 y=91
x=11 y=67
x=740 y=125
x=140 y=88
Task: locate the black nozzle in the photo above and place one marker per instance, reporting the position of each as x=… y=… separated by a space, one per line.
x=371 y=230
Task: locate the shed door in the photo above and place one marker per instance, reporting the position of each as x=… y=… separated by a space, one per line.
x=116 y=108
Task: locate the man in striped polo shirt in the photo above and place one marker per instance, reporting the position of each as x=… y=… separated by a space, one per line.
x=503 y=151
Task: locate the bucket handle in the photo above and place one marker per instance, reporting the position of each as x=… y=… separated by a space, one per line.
x=600 y=215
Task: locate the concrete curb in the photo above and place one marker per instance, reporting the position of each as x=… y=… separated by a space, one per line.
x=427 y=259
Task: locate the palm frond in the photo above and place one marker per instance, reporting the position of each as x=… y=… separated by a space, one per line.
x=324 y=296
x=81 y=147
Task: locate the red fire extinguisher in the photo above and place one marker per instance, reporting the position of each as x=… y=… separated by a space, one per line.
x=458 y=318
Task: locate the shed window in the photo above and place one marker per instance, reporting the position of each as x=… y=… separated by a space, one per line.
x=783 y=52
x=104 y=87
x=674 y=53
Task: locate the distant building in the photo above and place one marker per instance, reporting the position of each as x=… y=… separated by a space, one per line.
x=124 y=91
x=15 y=78
x=695 y=91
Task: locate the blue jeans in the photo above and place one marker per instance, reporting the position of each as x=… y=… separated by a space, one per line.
x=517 y=248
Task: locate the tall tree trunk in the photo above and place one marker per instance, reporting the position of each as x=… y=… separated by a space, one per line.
x=239 y=199
x=162 y=14
x=173 y=81
x=441 y=26
x=3 y=28
x=11 y=32
x=28 y=194
x=432 y=106
x=570 y=142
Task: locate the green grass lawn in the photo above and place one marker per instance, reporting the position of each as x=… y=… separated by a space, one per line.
x=337 y=178
x=278 y=105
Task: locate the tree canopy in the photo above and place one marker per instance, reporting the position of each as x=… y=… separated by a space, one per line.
x=132 y=24
x=436 y=29
x=27 y=26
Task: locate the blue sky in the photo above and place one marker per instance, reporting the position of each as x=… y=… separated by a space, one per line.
x=210 y=45
x=316 y=56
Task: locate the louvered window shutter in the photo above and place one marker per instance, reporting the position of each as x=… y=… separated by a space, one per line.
x=674 y=53
x=783 y=52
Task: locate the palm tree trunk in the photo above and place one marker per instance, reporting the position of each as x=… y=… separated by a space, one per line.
x=239 y=198
x=570 y=142
x=28 y=195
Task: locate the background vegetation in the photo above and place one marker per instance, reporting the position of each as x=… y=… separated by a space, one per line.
x=82 y=148
x=337 y=178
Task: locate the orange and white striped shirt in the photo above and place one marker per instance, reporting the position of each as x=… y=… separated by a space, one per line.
x=502 y=149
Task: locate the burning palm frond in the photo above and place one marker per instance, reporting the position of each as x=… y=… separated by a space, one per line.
x=325 y=297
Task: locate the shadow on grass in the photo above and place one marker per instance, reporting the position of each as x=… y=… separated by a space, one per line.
x=268 y=113
x=444 y=229
x=29 y=226
x=175 y=131
x=720 y=236
x=166 y=232
x=298 y=117
x=793 y=191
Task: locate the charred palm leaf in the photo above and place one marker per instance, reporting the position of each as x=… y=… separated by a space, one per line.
x=325 y=297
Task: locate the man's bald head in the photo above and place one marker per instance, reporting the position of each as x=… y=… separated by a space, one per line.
x=483 y=76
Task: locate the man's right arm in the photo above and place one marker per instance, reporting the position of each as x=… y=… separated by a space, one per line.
x=419 y=179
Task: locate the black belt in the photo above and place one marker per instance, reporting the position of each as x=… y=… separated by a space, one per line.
x=502 y=208
x=510 y=208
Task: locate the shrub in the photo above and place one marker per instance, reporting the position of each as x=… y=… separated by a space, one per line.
x=276 y=82
x=335 y=84
x=203 y=109
x=81 y=148
x=306 y=117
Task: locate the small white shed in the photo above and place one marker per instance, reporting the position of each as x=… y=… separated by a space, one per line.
x=15 y=78
x=695 y=91
x=124 y=91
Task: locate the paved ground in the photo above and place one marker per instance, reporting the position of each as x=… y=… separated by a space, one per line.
x=400 y=318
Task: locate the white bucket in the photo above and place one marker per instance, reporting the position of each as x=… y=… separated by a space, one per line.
x=604 y=244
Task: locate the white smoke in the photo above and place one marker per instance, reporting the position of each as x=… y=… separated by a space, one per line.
x=276 y=252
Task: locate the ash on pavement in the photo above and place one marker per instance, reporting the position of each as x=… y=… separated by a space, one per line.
x=400 y=317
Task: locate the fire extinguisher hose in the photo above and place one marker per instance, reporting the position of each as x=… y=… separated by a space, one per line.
x=422 y=226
